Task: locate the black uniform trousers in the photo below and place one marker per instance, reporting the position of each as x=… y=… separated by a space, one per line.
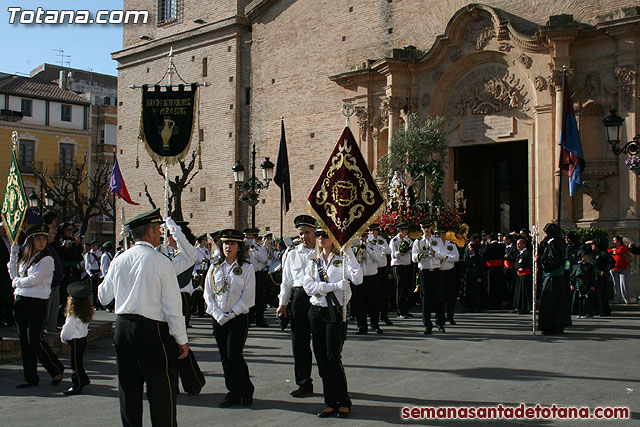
x=146 y=353
x=328 y=338
x=402 y=275
x=262 y=288
x=301 y=336
x=600 y=298
x=79 y=378
x=432 y=293
x=29 y=314
x=368 y=302
x=231 y=338
x=186 y=307
x=191 y=376
x=95 y=282
x=450 y=288
x=382 y=278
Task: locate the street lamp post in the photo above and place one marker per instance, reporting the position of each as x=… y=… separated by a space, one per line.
x=612 y=124
x=36 y=201
x=250 y=189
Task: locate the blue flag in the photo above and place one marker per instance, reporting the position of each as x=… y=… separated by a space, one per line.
x=571 y=156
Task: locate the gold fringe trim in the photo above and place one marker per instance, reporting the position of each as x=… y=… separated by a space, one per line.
x=358 y=232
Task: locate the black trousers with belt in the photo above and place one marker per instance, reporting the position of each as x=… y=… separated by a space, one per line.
x=402 y=275
x=231 y=338
x=79 y=378
x=328 y=338
x=382 y=278
x=432 y=293
x=301 y=336
x=146 y=353
x=368 y=295
x=450 y=288
x=29 y=314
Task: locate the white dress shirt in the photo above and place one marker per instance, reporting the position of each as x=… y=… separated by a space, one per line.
x=383 y=248
x=73 y=328
x=35 y=281
x=257 y=255
x=91 y=262
x=371 y=257
x=396 y=257
x=229 y=290
x=427 y=252
x=317 y=289
x=144 y=282
x=293 y=271
x=451 y=253
x=105 y=262
x=203 y=254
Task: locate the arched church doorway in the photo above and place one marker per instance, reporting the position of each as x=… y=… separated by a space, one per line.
x=495 y=180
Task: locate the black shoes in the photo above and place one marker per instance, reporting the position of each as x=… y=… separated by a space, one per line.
x=362 y=331
x=56 y=381
x=387 y=322
x=428 y=329
x=302 y=391
x=378 y=330
x=246 y=400
x=441 y=328
x=229 y=401
x=328 y=412
x=343 y=412
x=27 y=384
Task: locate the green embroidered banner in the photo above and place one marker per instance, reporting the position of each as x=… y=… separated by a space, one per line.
x=14 y=206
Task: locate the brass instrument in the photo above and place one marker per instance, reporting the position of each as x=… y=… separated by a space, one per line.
x=404 y=247
x=459 y=238
x=360 y=252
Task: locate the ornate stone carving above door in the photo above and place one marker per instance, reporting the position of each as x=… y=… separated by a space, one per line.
x=490 y=90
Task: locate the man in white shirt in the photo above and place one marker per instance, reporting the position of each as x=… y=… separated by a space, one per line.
x=92 y=267
x=449 y=275
x=291 y=291
x=402 y=269
x=383 y=271
x=105 y=262
x=150 y=335
x=427 y=252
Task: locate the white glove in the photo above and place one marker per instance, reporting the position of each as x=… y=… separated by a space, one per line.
x=171 y=224
x=344 y=285
x=225 y=318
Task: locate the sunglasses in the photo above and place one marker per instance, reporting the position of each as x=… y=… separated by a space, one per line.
x=322 y=234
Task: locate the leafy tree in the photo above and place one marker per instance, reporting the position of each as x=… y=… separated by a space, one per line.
x=419 y=150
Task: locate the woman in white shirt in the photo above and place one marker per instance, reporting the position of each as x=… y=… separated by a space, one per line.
x=229 y=293
x=326 y=281
x=31 y=278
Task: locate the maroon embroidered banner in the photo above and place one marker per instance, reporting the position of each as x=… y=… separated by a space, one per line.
x=345 y=199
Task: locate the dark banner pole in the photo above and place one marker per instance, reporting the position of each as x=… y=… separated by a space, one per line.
x=562 y=136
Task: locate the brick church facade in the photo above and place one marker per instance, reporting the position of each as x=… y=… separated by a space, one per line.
x=492 y=70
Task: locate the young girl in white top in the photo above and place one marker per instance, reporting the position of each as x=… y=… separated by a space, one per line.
x=31 y=277
x=74 y=332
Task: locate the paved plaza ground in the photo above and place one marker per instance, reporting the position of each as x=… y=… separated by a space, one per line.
x=486 y=360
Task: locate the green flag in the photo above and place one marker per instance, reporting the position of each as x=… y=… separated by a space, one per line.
x=15 y=203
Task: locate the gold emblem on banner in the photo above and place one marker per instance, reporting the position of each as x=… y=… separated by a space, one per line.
x=344 y=193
